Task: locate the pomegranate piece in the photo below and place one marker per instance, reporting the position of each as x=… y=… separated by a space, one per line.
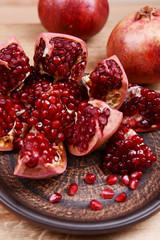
x=136 y=43
x=40 y=158
x=90 y=178
x=94 y=124
x=107 y=193
x=127 y=153
x=136 y=175
x=141 y=109
x=95 y=205
x=133 y=184
x=125 y=179
x=14 y=65
x=111 y=179
x=55 y=197
x=73 y=188
x=122 y=197
x=108 y=82
x=61 y=56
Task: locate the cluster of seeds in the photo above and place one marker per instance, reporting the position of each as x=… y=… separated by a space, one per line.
x=104 y=79
x=125 y=154
x=143 y=111
x=14 y=65
x=36 y=148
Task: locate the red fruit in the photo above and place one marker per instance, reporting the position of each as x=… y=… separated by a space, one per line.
x=125 y=179
x=73 y=188
x=40 y=158
x=79 y=18
x=55 y=197
x=107 y=193
x=95 y=205
x=95 y=123
x=141 y=109
x=108 y=82
x=136 y=42
x=111 y=179
x=90 y=178
x=14 y=65
x=122 y=197
x=137 y=175
x=127 y=153
x=133 y=184
x=61 y=56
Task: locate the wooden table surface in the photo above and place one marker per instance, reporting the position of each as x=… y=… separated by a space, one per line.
x=20 y=18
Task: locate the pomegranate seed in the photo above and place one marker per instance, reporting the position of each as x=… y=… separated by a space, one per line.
x=137 y=175
x=95 y=205
x=111 y=179
x=55 y=197
x=121 y=197
x=73 y=188
x=133 y=184
x=90 y=178
x=125 y=179
x=107 y=193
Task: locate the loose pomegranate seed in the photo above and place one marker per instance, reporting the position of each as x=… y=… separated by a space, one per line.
x=90 y=178
x=55 y=197
x=111 y=179
x=95 y=205
x=107 y=193
x=73 y=188
x=125 y=179
x=133 y=184
x=122 y=197
x=137 y=175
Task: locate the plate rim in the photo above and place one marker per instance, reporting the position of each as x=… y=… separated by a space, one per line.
x=87 y=228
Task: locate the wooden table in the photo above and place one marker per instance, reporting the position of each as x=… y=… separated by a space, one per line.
x=21 y=19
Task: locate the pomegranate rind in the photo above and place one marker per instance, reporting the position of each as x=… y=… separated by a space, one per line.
x=49 y=47
x=115 y=97
x=6 y=143
x=42 y=170
x=114 y=120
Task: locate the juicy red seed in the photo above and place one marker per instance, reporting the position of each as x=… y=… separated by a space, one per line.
x=95 y=205
x=122 y=197
x=125 y=179
x=55 y=197
x=90 y=178
x=73 y=188
x=133 y=184
x=137 y=175
x=111 y=179
x=107 y=193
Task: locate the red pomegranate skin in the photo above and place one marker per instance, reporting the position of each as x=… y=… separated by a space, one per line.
x=81 y=18
x=137 y=45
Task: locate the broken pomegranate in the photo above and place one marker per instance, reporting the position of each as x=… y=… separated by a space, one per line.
x=61 y=56
x=141 y=109
x=95 y=123
x=108 y=82
x=40 y=158
x=14 y=65
x=127 y=153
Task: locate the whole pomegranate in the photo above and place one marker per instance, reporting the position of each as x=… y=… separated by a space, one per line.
x=136 y=42
x=82 y=18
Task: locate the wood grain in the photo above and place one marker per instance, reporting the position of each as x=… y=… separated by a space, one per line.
x=12 y=16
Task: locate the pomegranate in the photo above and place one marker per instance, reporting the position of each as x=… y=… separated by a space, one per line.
x=61 y=56
x=127 y=153
x=73 y=188
x=141 y=109
x=108 y=82
x=55 y=197
x=107 y=193
x=82 y=18
x=95 y=123
x=14 y=65
x=40 y=158
x=95 y=205
x=122 y=197
x=136 y=42
x=90 y=178
x=111 y=179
